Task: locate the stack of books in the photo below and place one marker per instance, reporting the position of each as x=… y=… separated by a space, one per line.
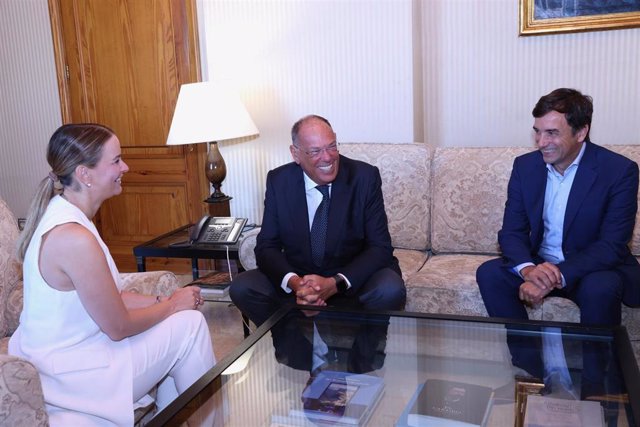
x=214 y=285
x=337 y=399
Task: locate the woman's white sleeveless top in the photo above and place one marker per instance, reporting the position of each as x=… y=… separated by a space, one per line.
x=86 y=377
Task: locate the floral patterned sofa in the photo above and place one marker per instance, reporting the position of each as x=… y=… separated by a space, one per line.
x=20 y=387
x=445 y=207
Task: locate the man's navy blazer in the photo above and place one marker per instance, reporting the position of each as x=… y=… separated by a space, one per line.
x=599 y=217
x=358 y=242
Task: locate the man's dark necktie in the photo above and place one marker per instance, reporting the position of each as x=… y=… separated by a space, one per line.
x=319 y=226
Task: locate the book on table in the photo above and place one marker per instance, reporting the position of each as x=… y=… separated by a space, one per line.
x=214 y=284
x=447 y=403
x=543 y=411
x=340 y=398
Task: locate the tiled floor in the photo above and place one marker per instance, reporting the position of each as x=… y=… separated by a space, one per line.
x=225 y=324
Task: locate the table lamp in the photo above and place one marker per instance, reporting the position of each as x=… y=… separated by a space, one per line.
x=210 y=112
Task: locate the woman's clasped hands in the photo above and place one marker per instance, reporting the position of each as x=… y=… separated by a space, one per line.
x=187 y=298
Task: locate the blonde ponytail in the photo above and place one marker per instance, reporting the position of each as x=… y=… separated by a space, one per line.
x=44 y=193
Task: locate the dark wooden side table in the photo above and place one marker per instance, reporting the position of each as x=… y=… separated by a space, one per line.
x=175 y=244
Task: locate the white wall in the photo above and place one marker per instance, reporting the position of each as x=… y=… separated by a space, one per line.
x=29 y=100
x=480 y=79
x=346 y=59
x=349 y=61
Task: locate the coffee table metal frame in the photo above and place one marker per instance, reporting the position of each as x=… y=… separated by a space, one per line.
x=161 y=247
x=618 y=336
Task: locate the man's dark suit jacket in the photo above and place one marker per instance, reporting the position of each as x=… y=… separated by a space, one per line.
x=599 y=218
x=358 y=242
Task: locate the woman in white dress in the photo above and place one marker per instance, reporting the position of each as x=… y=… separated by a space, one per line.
x=98 y=349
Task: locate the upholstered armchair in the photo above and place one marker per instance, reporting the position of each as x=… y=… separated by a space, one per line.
x=20 y=387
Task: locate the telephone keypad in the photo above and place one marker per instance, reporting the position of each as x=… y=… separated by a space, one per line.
x=217 y=230
x=216 y=235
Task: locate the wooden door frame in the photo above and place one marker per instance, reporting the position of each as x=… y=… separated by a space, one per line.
x=80 y=101
x=195 y=154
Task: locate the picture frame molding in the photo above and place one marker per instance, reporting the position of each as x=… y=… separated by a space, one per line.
x=613 y=21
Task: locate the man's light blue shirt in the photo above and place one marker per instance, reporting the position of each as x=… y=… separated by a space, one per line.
x=555 y=206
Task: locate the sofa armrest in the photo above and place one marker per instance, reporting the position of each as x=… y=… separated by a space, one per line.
x=245 y=249
x=21 y=393
x=150 y=282
x=13 y=307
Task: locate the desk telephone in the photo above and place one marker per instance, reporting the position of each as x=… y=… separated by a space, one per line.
x=215 y=230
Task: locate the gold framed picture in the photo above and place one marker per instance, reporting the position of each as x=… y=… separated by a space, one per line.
x=563 y=16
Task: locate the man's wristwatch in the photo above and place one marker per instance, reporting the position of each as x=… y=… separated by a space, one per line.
x=341 y=284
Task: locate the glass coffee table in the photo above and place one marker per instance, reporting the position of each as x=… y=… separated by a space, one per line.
x=332 y=366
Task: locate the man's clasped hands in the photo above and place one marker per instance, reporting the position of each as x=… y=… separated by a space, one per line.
x=312 y=289
x=539 y=280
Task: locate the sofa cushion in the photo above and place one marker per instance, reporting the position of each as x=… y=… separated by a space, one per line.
x=406 y=181
x=10 y=269
x=558 y=309
x=410 y=261
x=446 y=284
x=469 y=193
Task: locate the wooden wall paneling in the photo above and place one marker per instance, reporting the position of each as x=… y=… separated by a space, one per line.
x=122 y=64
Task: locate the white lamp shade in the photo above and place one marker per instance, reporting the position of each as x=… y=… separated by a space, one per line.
x=208 y=112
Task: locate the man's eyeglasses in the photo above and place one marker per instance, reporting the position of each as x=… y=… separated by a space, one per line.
x=316 y=152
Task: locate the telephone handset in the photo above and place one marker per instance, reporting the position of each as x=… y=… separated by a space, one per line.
x=214 y=230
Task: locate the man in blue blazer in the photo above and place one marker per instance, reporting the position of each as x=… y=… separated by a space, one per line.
x=356 y=267
x=568 y=220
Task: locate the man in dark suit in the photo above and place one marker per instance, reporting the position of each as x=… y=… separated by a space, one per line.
x=353 y=264
x=324 y=241
x=568 y=219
